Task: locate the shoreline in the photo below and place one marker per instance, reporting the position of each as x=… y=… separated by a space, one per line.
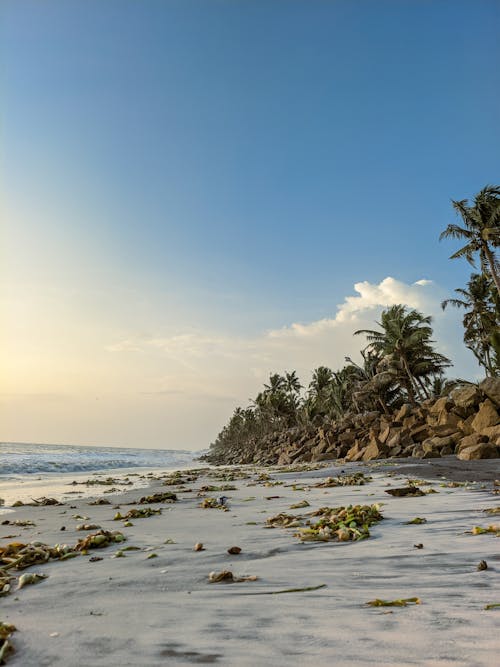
x=162 y=609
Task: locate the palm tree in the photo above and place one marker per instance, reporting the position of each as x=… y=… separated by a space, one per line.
x=292 y=383
x=321 y=378
x=480 y=320
x=404 y=346
x=481 y=230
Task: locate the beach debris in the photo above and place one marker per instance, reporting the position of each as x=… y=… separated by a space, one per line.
x=37 y=502
x=298 y=506
x=142 y=513
x=95 y=559
x=234 y=551
x=283 y=520
x=166 y=497
x=98 y=540
x=45 y=501
x=79 y=517
x=199 y=547
x=287 y=590
x=356 y=479
x=214 y=503
x=492 y=510
x=482 y=565
x=4 y=583
x=109 y=481
x=100 y=501
x=153 y=555
x=87 y=526
x=211 y=488
x=402 y=602
x=495 y=605
x=419 y=546
x=19 y=522
x=20 y=556
x=227 y=576
x=405 y=491
x=6 y=630
x=272 y=497
x=478 y=530
x=417 y=521
x=30 y=578
x=169 y=540
x=342 y=524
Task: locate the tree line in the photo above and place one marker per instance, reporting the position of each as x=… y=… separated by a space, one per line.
x=399 y=363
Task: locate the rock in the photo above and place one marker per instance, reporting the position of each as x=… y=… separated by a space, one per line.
x=470 y=441
x=441 y=404
x=486 y=416
x=404 y=411
x=466 y=396
x=421 y=433
x=284 y=459
x=394 y=437
x=493 y=433
x=491 y=387
x=374 y=451
x=483 y=450
x=355 y=449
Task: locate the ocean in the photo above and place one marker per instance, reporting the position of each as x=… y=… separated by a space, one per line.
x=33 y=470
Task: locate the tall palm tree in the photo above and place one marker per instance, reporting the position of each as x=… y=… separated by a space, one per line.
x=321 y=378
x=404 y=345
x=292 y=383
x=481 y=230
x=480 y=320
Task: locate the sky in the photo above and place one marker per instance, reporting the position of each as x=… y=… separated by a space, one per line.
x=197 y=193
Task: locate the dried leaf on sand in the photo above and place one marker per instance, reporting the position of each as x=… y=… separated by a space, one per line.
x=402 y=602
x=356 y=479
x=228 y=577
x=405 y=491
x=6 y=630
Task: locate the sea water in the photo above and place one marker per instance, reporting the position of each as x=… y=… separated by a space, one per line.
x=29 y=470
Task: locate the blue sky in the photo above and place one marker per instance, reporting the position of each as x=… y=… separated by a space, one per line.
x=226 y=168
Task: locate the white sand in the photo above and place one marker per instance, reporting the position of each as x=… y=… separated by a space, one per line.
x=163 y=611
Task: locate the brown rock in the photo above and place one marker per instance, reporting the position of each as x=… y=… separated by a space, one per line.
x=470 y=441
x=493 y=433
x=440 y=405
x=486 y=416
x=404 y=411
x=421 y=433
x=355 y=449
x=466 y=396
x=482 y=450
x=394 y=437
x=491 y=387
x=374 y=451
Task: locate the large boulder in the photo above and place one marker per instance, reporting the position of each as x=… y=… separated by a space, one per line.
x=493 y=433
x=470 y=441
x=482 y=450
x=486 y=416
x=491 y=387
x=466 y=396
x=375 y=450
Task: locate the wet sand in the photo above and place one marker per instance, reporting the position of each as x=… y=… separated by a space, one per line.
x=139 y=610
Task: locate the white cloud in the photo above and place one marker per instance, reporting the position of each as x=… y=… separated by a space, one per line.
x=217 y=365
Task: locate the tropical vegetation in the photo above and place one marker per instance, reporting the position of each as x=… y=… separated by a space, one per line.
x=398 y=363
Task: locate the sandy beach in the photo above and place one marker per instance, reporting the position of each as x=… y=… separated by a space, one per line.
x=156 y=606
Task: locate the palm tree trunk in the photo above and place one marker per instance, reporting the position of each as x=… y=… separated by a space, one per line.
x=493 y=269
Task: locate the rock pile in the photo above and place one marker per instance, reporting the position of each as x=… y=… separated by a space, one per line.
x=465 y=423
